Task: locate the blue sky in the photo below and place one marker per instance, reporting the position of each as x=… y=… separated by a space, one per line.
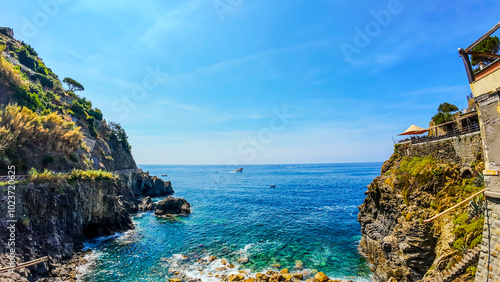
x=254 y=81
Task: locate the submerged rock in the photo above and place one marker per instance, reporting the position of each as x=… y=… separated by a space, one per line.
x=243 y=260
x=174 y=206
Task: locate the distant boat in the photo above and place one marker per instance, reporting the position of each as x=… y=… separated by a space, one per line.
x=164 y=175
x=238 y=170
x=272 y=186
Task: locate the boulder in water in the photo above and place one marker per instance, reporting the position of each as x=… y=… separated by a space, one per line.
x=174 y=206
x=321 y=277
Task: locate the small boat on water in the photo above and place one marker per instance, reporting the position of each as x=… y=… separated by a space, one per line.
x=164 y=175
x=272 y=186
x=238 y=170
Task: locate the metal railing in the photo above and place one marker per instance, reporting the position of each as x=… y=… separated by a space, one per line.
x=13 y=178
x=452 y=133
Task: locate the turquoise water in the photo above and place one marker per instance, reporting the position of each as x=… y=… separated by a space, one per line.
x=310 y=217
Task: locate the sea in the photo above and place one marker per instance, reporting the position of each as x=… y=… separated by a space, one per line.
x=297 y=216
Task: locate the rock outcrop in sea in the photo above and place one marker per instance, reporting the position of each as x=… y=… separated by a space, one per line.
x=172 y=206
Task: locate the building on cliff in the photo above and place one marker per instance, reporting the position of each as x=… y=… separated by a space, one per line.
x=485 y=85
x=462 y=123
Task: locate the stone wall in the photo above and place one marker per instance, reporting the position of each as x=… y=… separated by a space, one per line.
x=462 y=150
x=489 y=260
x=488 y=268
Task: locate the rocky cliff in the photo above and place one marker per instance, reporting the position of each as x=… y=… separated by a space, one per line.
x=56 y=216
x=83 y=179
x=416 y=183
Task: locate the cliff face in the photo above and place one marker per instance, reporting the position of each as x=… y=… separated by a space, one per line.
x=44 y=127
x=55 y=218
x=416 y=183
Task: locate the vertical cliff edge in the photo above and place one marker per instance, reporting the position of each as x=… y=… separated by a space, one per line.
x=418 y=182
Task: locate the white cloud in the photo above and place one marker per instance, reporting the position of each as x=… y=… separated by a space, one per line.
x=263 y=55
x=185 y=107
x=460 y=89
x=168 y=22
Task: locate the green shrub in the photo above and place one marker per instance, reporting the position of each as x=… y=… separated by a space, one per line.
x=396 y=147
x=42 y=69
x=406 y=196
x=468 y=231
x=27 y=99
x=18 y=68
x=90 y=120
x=77 y=108
x=48 y=159
x=73 y=157
x=422 y=169
x=93 y=131
x=30 y=50
x=45 y=81
x=27 y=59
x=476 y=241
x=444 y=114
x=472 y=270
x=25 y=221
x=459 y=244
x=46 y=176
x=90 y=174
x=96 y=113
x=118 y=134
x=416 y=165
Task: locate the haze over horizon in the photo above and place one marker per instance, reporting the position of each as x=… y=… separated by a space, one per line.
x=255 y=82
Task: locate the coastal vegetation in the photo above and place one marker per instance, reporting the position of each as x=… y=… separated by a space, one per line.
x=488 y=45
x=72 y=177
x=39 y=115
x=444 y=114
x=20 y=126
x=73 y=85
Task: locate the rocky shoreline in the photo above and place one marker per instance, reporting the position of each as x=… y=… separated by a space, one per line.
x=195 y=268
x=56 y=218
x=221 y=269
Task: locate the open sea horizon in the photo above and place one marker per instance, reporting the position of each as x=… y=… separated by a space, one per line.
x=308 y=220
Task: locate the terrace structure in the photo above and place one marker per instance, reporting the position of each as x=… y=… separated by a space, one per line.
x=485 y=85
x=462 y=123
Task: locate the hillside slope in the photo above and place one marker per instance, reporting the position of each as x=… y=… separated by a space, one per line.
x=83 y=181
x=37 y=137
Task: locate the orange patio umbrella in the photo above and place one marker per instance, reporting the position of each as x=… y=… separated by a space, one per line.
x=414 y=130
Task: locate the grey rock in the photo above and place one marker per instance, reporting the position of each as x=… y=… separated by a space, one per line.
x=7 y=31
x=173 y=206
